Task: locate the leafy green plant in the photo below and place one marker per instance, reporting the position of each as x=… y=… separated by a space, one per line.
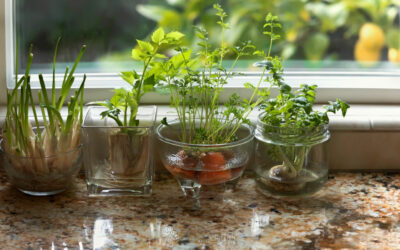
x=291 y=115
x=196 y=84
x=294 y=109
x=58 y=134
x=128 y=144
x=127 y=102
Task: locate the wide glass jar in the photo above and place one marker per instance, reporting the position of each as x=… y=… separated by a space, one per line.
x=194 y=165
x=119 y=160
x=290 y=161
x=41 y=176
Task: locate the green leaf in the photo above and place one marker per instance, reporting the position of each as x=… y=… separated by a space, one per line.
x=147 y=88
x=145 y=46
x=150 y=81
x=175 y=35
x=259 y=53
x=105 y=104
x=161 y=56
x=158 y=35
x=301 y=100
x=129 y=76
x=180 y=58
x=118 y=99
x=164 y=121
x=249 y=85
x=200 y=35
x=284 y=88
x=343 y=106
x=137 y=54
x=268 y=18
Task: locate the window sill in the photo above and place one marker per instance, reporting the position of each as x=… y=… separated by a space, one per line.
x=367 y=139
x=358 y=118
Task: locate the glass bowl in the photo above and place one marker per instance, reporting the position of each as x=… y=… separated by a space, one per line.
x=290 y=161
x=42 y=176
x=194 y=165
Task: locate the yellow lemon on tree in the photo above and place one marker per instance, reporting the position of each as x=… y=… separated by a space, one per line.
x=364 y=55
x=372 y=36
x=394 y=55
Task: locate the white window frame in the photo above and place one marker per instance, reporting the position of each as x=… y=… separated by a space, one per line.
x=354 y=87
x=3 y=56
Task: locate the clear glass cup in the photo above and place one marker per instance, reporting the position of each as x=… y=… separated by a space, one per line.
x=119 y=160
x=42 y=176
x=194 y=165
x=290 y=161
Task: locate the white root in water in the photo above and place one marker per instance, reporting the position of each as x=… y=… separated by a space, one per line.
x=128 y=153
x=49 y=154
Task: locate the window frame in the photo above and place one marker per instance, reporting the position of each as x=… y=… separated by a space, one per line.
x=354 y=87
x=4 y=24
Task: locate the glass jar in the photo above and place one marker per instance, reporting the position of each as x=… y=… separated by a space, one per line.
x=119 y=160
x=42 y=176
x=194 y=165
x=290 y=161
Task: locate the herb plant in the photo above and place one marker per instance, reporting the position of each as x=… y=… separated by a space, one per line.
x=291 y=115
x=58 y=134
x=196 y=80
x=128 y=145
x=148 y=53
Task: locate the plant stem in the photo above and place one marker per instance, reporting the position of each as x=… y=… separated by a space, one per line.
x=53 y=89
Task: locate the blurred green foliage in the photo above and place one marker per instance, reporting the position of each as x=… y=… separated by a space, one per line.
x=105 y=26
x=312 y=29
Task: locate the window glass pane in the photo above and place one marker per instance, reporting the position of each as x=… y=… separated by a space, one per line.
x=109 y=28
x=338 y=35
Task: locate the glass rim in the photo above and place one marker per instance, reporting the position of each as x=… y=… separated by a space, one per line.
x=77 y=148
x=119 y=127
x=262 y=114
x=242 y=141
x=153 y=115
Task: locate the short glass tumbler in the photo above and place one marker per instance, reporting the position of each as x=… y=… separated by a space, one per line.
x=194 y=165
x=118 y=160
x=42 y=176
x=290 y=161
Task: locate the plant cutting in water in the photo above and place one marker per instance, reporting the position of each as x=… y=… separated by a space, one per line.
x=127 y=102
x=292 y=111
x=291 y=116
x=129 y=144
x=196 y=80
x=196 y=83
x=57 y=135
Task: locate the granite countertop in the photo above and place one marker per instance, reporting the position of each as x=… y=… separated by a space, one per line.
x=354 y=210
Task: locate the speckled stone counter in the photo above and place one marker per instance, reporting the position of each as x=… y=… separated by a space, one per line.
x=352 y=211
